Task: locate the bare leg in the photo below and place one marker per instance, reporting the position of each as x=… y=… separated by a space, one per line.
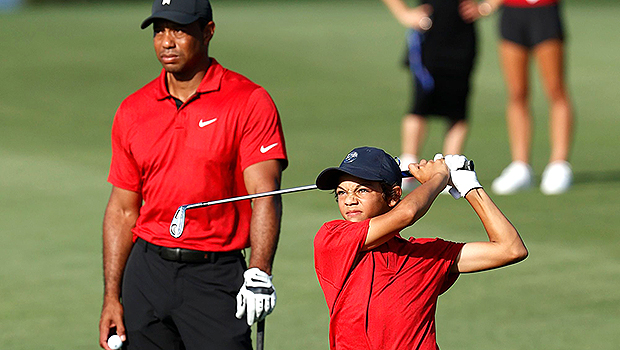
x=413 y=134
x=518 y=175
x=455 y=137
x=550 y=59
x=515 y=60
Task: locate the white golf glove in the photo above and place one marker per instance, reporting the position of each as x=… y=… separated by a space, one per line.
x=257 y=296
x=463 y=180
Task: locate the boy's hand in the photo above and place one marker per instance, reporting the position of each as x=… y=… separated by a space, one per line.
x=425 y=170
x=463 y=180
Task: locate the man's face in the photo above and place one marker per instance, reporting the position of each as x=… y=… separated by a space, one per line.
x=181 y=49
x=360 y=199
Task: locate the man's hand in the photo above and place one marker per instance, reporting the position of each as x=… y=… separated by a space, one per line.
x=257 y=297
x=462 y=179
x=417 y=18
x=111 y=317
x=468 y=9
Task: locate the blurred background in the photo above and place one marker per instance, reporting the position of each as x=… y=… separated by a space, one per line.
x=334 y=71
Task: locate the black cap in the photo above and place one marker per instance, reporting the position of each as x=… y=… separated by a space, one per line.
x=367 y=163
x=179 y=11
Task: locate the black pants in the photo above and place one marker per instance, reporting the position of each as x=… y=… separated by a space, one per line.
x=170 y=305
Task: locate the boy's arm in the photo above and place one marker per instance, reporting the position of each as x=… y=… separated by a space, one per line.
x=505 y=246
x=433 y=176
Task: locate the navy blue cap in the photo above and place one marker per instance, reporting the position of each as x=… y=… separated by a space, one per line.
x=367 y=163
x=179 y=11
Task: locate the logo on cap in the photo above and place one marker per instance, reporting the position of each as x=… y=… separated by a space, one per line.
x=165 y=2
x=350 y=158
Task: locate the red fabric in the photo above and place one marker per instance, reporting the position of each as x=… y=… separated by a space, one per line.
x=384 y=298
x=194 y=154
x=529 y=3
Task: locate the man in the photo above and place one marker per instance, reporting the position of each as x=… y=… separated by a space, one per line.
x=197 y=132
x=381 y=289
x=441 y=61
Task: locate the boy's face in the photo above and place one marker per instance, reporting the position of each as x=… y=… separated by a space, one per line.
x=360 y=199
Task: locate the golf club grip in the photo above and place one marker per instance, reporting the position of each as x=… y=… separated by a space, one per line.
x=469 y=165
x=260 y=335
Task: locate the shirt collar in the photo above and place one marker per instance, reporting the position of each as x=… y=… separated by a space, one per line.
x=211 y=81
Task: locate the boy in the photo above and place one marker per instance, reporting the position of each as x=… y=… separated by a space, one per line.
x=381 y=289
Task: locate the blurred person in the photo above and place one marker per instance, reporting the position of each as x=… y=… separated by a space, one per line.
x=381 y=289
x=534 y=28
x=197 y=132
x=441 y=59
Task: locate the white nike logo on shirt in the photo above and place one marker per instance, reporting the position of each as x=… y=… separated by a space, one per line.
x=202 y=123
x=264 y=149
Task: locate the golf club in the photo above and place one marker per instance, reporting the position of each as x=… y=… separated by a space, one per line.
x=178 y=221
x=260 y=335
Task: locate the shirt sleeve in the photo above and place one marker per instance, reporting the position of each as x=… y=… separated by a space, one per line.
x=263 y=138
x=336 y=248
x=124 y=171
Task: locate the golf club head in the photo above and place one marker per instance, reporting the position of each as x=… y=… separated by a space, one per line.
x=178 y=222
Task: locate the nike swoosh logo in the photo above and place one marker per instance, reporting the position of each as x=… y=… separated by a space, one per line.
x=202 y=123
x=264 y=149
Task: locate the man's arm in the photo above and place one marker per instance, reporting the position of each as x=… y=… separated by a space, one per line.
x=504 y=247
x=266 y=212
x=257 y=296
x=415 y=18
x=120 y=217
x=433 y=176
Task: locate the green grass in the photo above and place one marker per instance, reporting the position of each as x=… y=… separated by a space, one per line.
x=333 y=70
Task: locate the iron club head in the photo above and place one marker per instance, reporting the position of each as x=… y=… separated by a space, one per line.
x=178 y=222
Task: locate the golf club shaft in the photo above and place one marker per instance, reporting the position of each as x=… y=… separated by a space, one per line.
x=260 y=335
x=251 y=196
x=468 y=165
x=178 y=221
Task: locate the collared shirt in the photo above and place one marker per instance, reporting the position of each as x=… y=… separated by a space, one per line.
x=383 y=298
x=193 y=154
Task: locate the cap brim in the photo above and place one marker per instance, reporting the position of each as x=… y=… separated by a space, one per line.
x=176 y=17
x=328 y=178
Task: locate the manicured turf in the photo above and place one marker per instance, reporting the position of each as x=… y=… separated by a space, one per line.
x=333 y=70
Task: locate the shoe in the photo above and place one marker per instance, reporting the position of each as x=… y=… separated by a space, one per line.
x=409 y=183
x=557 y=178
x=517 y=176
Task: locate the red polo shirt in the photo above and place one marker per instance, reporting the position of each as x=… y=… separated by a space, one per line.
x=384 y=298
x=193 y=154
